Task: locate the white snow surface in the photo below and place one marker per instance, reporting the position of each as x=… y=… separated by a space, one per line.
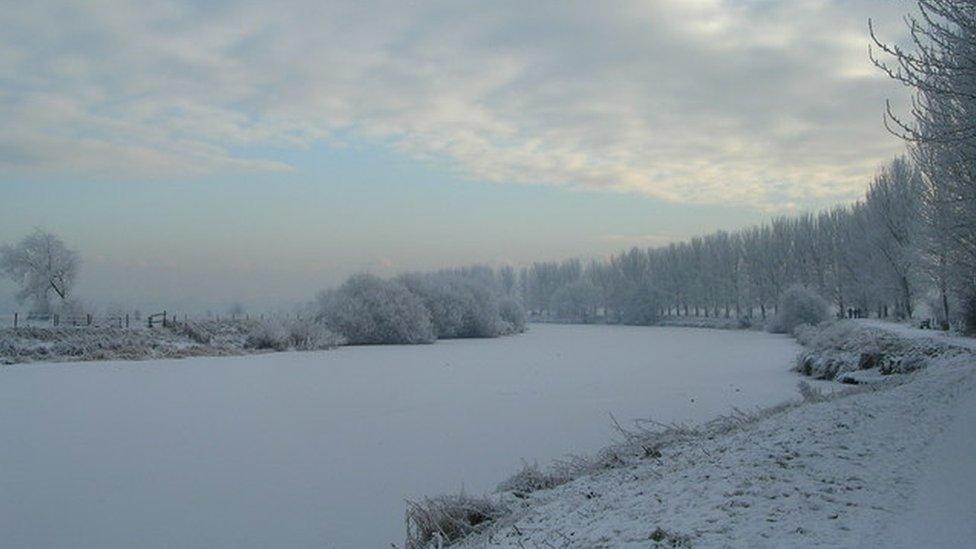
x=320 y=449
x=890 y=465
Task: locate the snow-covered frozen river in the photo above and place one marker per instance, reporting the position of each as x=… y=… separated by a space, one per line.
x=320 y=449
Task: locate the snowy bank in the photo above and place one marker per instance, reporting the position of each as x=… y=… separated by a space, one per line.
x=853 y=350
x=836 y=469
x=178 y=340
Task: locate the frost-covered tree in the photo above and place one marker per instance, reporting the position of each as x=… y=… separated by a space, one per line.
x=369 y=310
x=512 y=315
x=891 y=226
x=461 y=304
x=577 y=301
x=644 y=307
x=41 y=265
x=865 y=257
x=940 y=68
x=421 y=307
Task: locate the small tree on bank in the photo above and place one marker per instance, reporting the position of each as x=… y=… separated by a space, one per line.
x=41 y=265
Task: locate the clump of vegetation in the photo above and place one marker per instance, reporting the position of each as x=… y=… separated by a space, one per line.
x=369 y=310
x=846 y=346
x=422 y=307
x=295 y=335
x=797 y=306
x=662 y=537
x=512 y=315
x=532 y=479
x=435 y=522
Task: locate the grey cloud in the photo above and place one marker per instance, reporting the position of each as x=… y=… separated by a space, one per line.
x=770 y=103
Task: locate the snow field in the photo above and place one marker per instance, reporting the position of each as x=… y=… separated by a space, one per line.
x=321 y=449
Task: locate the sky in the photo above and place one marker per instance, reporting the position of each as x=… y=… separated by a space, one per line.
x=203 y=153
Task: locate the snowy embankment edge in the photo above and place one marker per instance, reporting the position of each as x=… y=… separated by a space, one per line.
x=500 y=519
x=178 y=340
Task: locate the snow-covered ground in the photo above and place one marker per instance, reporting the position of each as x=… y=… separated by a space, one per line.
x=889 y=465
x=320 y=449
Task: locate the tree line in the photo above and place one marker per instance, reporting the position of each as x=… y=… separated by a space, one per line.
x=909 y=242
x=866 y=257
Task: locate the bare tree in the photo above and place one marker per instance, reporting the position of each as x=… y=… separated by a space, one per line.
x=941 y=130
x=892 y=209
x=40 y=264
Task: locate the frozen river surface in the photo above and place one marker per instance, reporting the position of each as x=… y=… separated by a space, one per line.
x=320 y=449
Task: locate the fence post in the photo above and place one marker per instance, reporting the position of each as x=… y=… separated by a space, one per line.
x=164 y=319
x=15 y=320
x=89 y=319
x=126 y=320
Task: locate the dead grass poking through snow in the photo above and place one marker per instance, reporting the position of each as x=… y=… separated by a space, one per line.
x=440 y=521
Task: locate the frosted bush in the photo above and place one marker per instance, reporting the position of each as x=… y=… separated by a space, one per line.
x=465 y=304
x=312 y=336
x=369 y=310
x=532 y=479
x=445 y=301
x=512 y=314
x=268 y=335
x=799 y=305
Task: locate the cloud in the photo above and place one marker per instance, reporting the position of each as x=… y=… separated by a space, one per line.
x=770 y=103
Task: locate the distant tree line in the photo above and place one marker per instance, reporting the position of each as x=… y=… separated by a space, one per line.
x=910 y=240
x=865 y=257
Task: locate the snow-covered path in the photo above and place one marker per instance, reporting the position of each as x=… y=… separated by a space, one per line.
x=911 y=332
x=888 y=467
x=942 y=509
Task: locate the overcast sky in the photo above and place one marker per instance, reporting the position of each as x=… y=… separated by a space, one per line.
x=198 y=153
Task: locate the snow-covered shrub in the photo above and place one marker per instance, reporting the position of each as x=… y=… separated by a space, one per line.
x=199 y=332
x=532 y=479
x=369 y=310
x=446 y=302
x=480 y=316
x=299 y=335
x=268 y=335
x=465 y=303
x=847 y=346
x=799 y=305
x=308 y=335
x=665 y=538
x=512 y=314
x=441 y=521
